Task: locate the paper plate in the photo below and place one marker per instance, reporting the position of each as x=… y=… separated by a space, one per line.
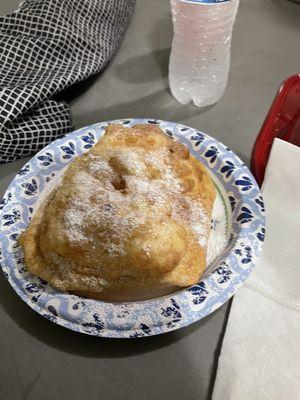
x=238 y=216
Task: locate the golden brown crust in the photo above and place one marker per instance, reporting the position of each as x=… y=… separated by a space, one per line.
x=129 y=221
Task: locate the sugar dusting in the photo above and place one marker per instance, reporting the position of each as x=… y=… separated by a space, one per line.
x=122 y=192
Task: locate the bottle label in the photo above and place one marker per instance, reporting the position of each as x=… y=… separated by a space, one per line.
x=205 y=1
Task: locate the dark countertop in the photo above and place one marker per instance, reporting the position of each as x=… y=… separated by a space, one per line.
x=40 y=360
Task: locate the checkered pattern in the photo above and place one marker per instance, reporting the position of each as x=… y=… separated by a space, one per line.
x=45 y=47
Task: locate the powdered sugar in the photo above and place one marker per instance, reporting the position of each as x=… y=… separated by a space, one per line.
x=121 y=191
x=190 y=212
x=75 y=218
x=130 y=162
x=98 y=165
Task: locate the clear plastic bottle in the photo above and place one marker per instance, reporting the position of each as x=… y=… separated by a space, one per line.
x=200 y=56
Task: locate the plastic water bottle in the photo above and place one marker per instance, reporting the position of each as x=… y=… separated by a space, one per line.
x=200 y=56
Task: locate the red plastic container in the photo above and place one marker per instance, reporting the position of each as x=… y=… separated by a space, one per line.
x=282 y=121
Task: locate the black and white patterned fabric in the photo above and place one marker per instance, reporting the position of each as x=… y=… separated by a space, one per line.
x=45 y=47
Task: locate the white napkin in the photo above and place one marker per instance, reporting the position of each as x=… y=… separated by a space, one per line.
x=260 y=355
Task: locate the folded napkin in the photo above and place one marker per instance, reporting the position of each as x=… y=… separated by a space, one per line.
x=260 y=355
x=45 y=47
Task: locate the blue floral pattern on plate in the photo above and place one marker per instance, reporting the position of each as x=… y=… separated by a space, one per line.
x=145 y=318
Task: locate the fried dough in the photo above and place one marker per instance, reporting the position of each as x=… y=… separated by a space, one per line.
x=130 y=219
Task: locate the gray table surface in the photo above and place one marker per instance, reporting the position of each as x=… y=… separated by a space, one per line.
x=39 y=360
